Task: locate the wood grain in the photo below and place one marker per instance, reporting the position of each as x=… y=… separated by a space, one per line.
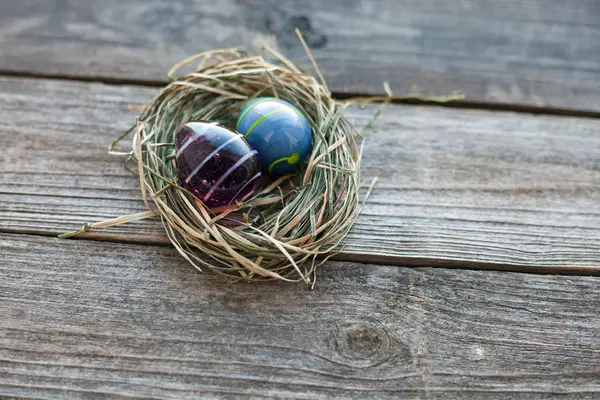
x=467 y=188
x=533 y=52
x=90 y=319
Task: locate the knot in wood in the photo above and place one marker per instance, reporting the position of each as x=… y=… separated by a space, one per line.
x=364 y=339
x=361 y=343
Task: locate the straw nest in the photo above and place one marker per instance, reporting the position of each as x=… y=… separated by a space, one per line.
x=289 y=225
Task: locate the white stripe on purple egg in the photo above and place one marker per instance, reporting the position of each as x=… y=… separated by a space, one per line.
x=255 y=177
x=227 y=173
x=208 y=157
x=194 y=137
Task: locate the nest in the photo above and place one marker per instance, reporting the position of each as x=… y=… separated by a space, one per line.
x=288 y=226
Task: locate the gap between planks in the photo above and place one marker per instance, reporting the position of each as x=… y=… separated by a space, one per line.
x=359 y=258
x=465 y=103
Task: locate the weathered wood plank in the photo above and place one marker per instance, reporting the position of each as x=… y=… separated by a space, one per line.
x=534 y=52
x=92 y=319
x=476 y=188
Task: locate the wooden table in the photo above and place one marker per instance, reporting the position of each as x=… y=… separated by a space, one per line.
x=471 y=273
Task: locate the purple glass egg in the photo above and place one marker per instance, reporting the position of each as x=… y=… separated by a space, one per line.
x=215 y=163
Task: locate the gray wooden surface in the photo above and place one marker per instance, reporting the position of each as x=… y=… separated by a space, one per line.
x=533 y=52
x=90 y=319
x=119 y=314
x=456 y=187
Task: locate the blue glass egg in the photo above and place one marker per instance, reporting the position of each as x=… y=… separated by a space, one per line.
x=278 y=131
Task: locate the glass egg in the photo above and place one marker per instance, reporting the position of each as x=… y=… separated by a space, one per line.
x=215 y=163
x=278 y=131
